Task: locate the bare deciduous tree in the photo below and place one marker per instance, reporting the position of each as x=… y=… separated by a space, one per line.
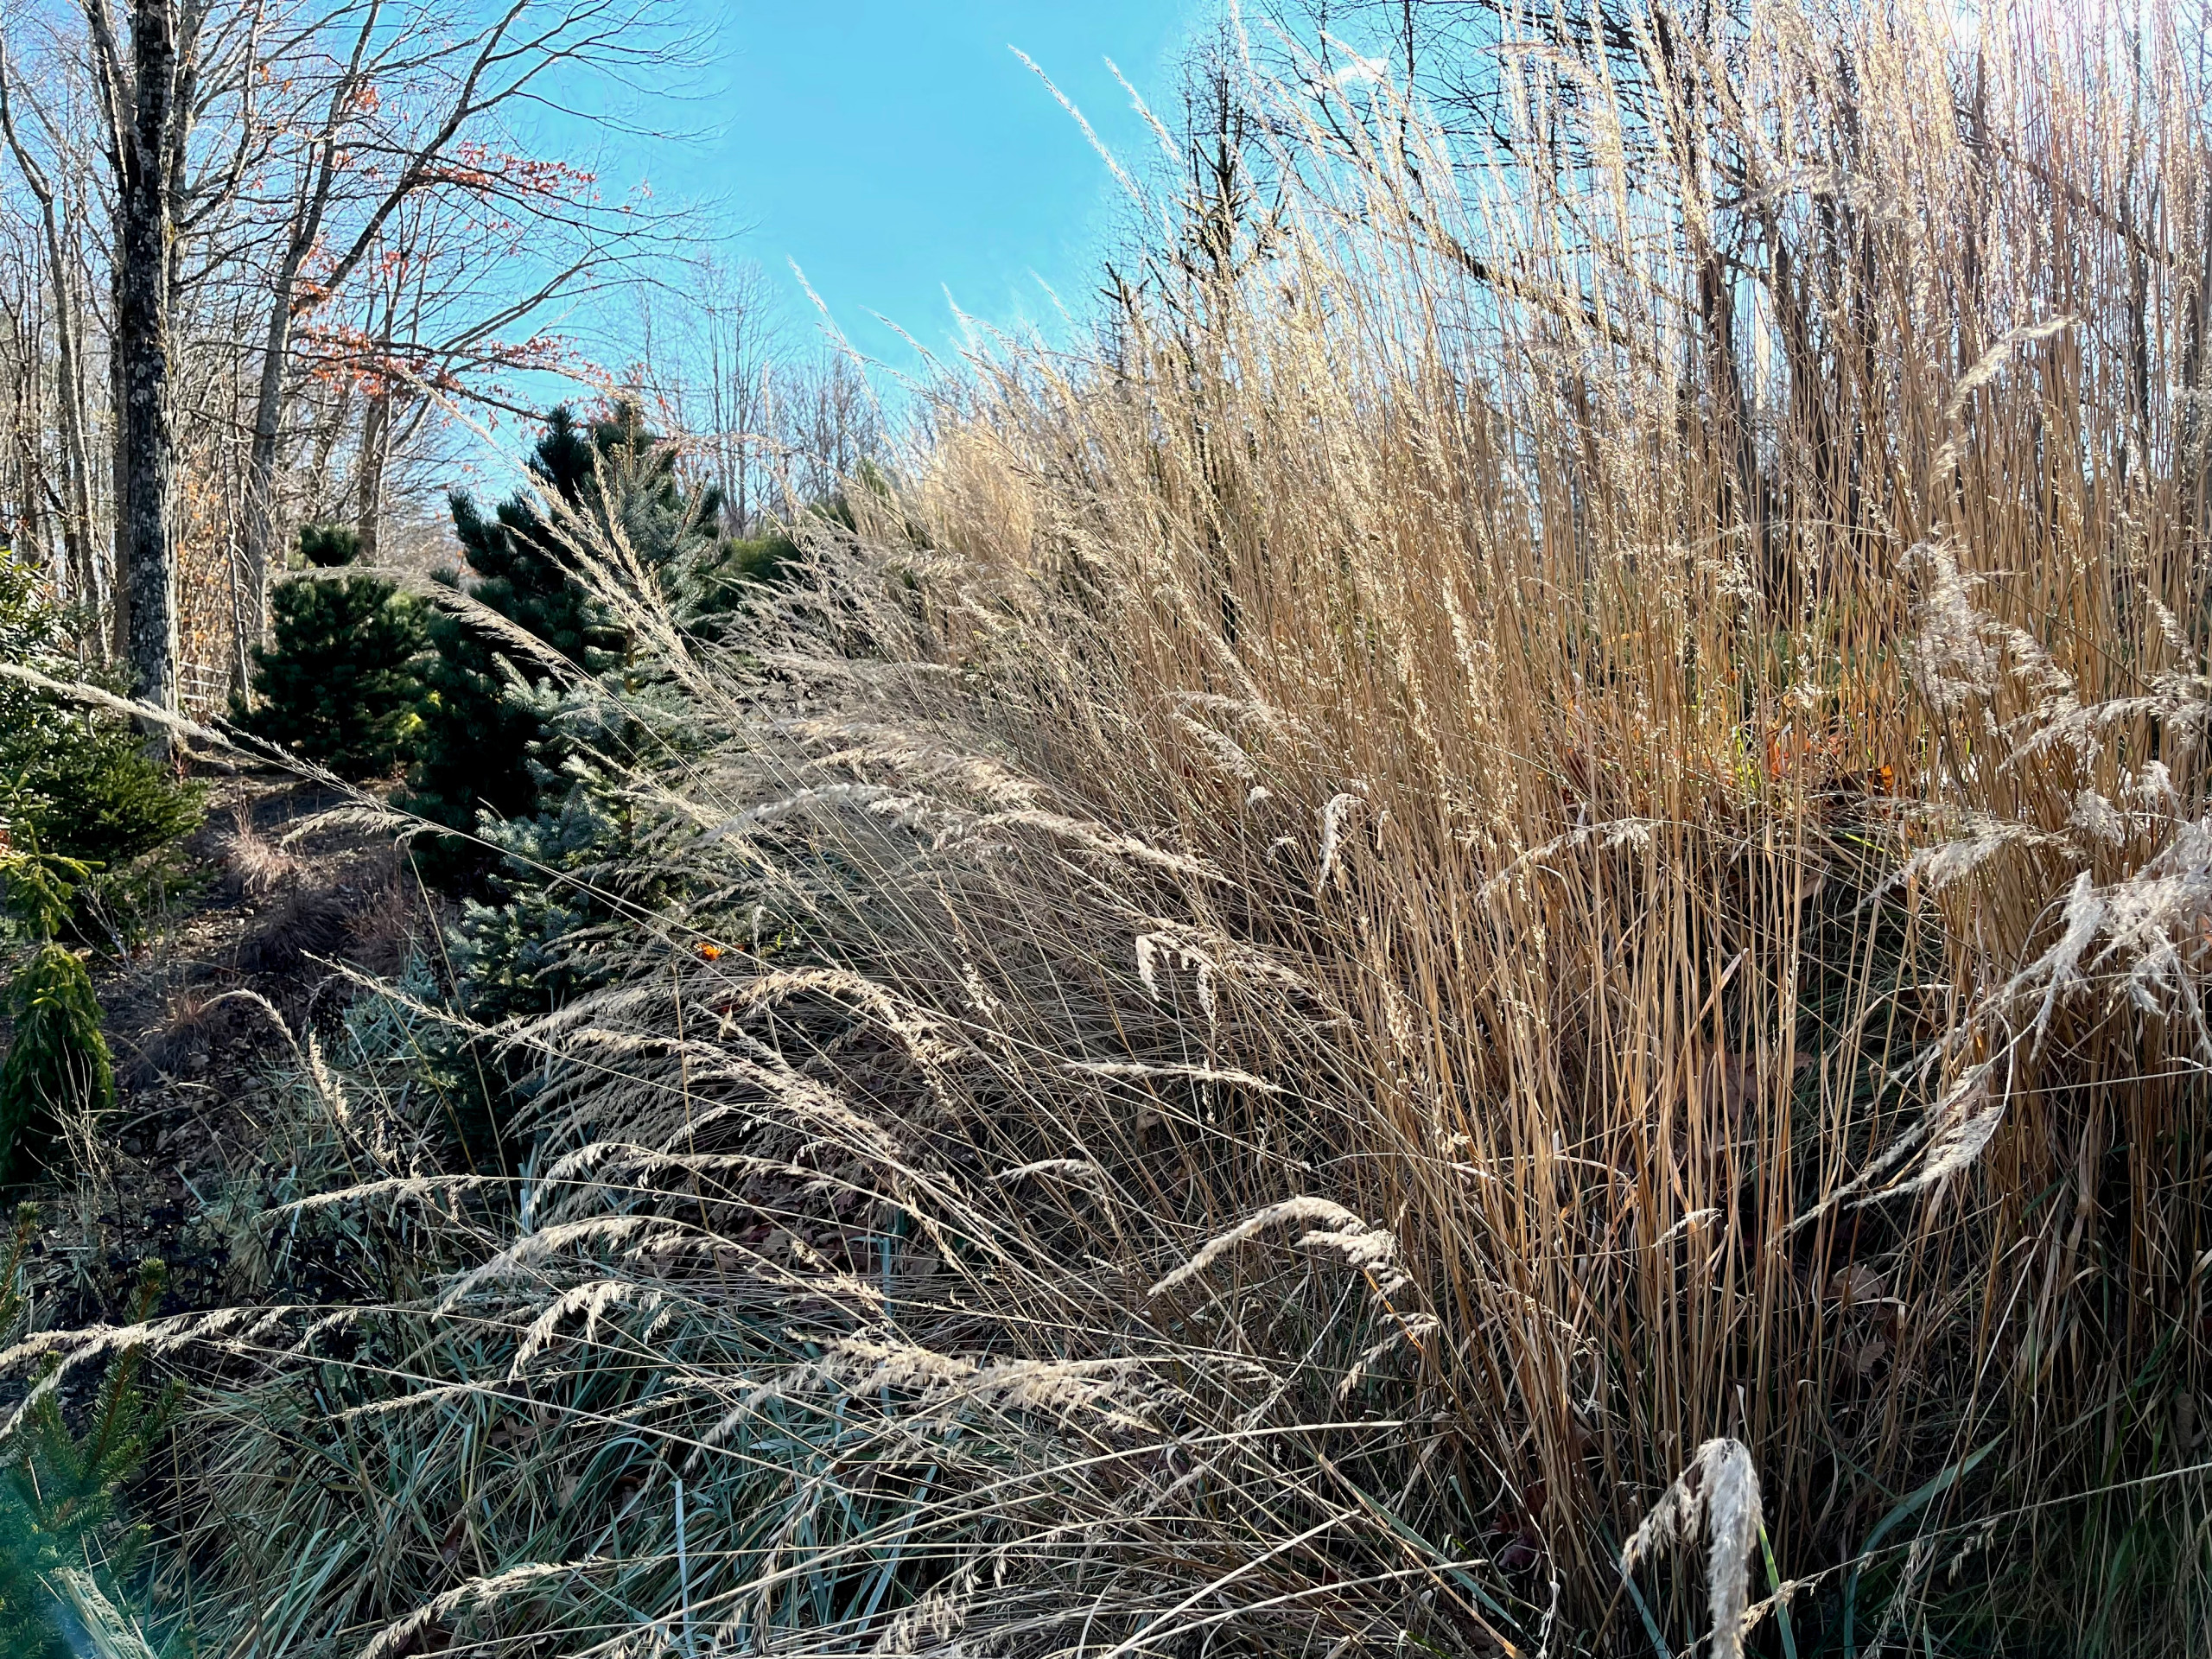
x=305 y=229
x=151 y=93
x=62 y=262
x=710 y=355
x=409 y=107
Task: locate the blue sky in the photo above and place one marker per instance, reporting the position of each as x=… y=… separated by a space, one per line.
x=896 y=149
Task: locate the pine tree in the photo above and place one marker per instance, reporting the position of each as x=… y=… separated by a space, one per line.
x=340 y=683
x=486 y=745
x=327 y=547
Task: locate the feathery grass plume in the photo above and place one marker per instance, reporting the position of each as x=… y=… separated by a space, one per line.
x=1333 y=816
x=107 y=1630
x=1370 y=1249
x=1719 y=1496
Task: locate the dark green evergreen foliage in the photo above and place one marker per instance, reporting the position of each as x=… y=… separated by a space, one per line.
x=57 y=1061
x=35 y=888
x=327 y=547
x=30 y=626
x=83 y=783
x=60 y=1492
x=722 y=580
x=340 y=682
x=76 y=783
x=542 y=941
x=483 y=747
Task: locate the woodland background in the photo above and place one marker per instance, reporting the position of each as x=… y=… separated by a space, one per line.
x=361 y=256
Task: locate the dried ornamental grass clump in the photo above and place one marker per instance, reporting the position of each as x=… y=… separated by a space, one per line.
x=1546 y=830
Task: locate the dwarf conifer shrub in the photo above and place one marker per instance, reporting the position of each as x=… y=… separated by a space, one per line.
x=738 y=566
x=60 y=1492
x=87 y=788
x=77 y=783
x=328 y=547
x=341 y=679
x=58 y=1060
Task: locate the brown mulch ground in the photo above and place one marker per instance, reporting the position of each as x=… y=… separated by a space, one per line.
x=274 y=901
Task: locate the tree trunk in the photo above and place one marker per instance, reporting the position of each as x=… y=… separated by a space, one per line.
x=119 y=646
x=76 y=481
x=147 y=152
x=149 y=467
x=375 y=444
x=261 y=476
x=69 y=396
